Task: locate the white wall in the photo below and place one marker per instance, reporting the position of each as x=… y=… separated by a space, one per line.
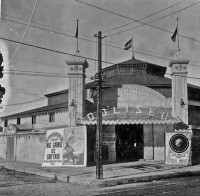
x=30 y=147
x=3 y=142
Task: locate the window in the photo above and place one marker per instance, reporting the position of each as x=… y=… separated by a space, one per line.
x=18 y=121
x=34 y=119
x=52 y=117
x=5 y=123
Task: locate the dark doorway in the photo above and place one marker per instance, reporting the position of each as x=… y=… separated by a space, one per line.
x=10 y=149
x=129 y=142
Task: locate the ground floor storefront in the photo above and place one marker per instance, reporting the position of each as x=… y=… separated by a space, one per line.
x=128 y=142
x=125 y=142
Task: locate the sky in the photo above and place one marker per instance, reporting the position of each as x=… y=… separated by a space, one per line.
x=38 y=36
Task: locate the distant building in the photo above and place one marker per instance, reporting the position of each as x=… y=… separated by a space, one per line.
x=139 y=105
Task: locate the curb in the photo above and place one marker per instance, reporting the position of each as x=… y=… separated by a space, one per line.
x=130 y=180
x=103 y=182
x=53 y=176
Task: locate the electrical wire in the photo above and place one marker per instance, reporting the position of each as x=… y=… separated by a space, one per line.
x=123 y=49
x=19 y=44
x=157 y=20
x=26 y=102
x=35 y=100
x=48 y=49
x=49 y=30
x=41 y=24
x=137 y=20
x=144 y=17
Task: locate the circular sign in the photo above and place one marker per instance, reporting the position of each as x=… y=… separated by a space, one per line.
x=179 y=143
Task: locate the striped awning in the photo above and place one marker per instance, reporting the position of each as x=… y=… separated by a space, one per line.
x=123 y=122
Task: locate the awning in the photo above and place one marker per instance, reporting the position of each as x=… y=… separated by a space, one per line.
x=123 y=122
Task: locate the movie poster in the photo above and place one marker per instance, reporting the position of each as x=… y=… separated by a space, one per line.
x=53 y=148
x=66 y=147
x=178 y=148
x=74 y=146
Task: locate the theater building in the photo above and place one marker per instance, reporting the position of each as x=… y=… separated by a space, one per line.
x=139 y=104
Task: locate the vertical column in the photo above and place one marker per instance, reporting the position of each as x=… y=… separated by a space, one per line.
x=76 y=90
x=99 y=165
x=179 y=90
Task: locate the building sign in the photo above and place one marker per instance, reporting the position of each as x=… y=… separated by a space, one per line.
x=75 y=69
x=134 y=112
x=178 y=148
x=65 y=147
x=196 y=147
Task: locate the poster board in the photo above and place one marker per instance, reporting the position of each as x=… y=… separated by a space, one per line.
x=65 y=147
x=178 y=148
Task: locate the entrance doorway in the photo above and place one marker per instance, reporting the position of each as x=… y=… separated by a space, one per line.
x=129 y=142
x=10 y=149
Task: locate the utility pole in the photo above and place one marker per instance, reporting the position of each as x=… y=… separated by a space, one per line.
x=99 y=165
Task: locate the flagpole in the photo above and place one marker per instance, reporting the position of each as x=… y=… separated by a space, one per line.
x=178 y=49
x=132 y=48
x=77 y=36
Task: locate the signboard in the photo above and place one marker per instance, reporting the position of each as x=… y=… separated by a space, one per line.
x=65 y=147
x=133 y=112
x=178 y=148
x=53 y=148
x=196 y=147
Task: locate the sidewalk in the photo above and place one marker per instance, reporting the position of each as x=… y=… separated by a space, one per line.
x=113 y=174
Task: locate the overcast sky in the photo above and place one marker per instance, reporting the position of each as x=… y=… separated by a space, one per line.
x=49 y=26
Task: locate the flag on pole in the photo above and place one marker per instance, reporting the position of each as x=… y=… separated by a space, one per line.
x=128 y=44
x=76 y=35
x=174 y=35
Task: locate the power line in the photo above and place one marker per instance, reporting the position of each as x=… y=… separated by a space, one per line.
x=74 y=37
x=49 y=30
x=37 y=73
x=35 y=100
x=26 y=102
x=144 y=17
x=157 y=20
x=24 y=31
x=103 y=44
x=48 y=49
x=60 y=52
x=15 y=91
x=137 y=20
x=51 y=27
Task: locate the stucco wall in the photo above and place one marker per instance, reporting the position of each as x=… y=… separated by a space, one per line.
x=42 y=121
x=12 y=121
x=3 y=142
x=56 y=99
x=154 y=141
x=30 y=147
x=148 y=142
x=26 y=120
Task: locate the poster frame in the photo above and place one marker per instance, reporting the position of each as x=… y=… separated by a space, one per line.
x=85 y=147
